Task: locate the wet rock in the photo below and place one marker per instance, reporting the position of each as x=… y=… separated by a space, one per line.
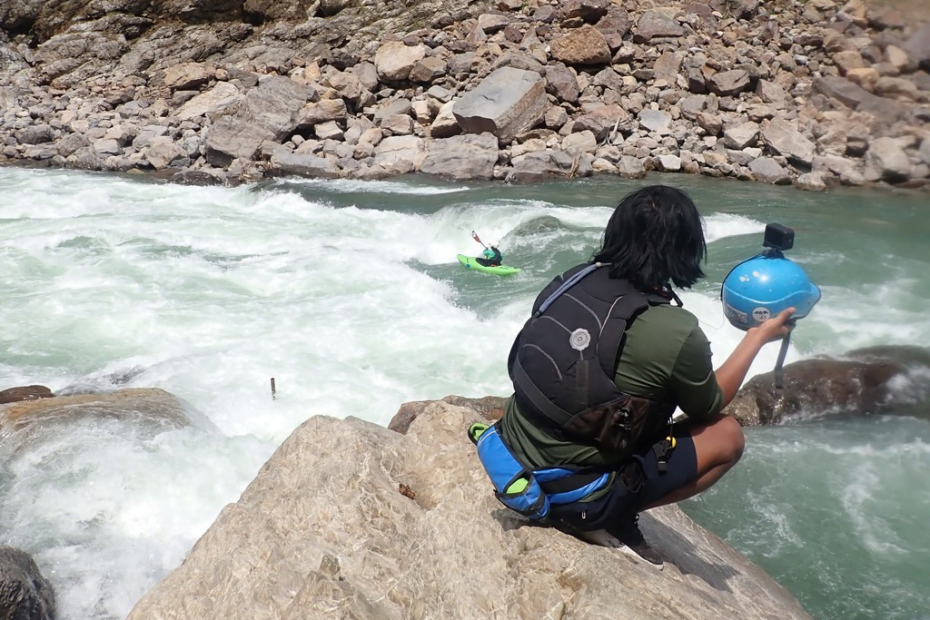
x=25 y=594
x=151 y=411
x=865 y=381
x=29 y=392
x=196 y=178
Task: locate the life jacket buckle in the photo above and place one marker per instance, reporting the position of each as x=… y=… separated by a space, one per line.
x=663 y=450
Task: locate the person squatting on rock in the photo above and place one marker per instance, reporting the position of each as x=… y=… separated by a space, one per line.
x=598 y=371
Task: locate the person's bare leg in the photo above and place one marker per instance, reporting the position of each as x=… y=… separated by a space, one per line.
x=719 y=445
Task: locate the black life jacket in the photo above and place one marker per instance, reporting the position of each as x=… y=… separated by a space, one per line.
x=563 y=363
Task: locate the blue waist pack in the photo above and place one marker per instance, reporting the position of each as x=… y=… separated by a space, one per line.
x=523 y=489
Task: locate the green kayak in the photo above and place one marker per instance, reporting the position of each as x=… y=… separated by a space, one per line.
x=501 y=270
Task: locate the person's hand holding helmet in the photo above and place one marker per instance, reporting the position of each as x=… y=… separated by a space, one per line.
x=776 y=327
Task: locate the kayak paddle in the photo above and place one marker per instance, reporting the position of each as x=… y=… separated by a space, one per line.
x=475 y=236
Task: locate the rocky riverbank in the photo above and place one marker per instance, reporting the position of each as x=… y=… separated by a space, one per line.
x=814 y=93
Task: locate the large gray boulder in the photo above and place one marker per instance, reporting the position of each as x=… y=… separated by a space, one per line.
x=545 y=165
x=285 y=162
x=351 y=520
x=506 y=103
x=857 y=98
x=470 y=156
x=25 y=594
x=400 y=154
x=215 y=100
x=888 y=160
x=232 y=138
x=768 y=170
x=394 y=60
x=276 y=105
x=783 y=138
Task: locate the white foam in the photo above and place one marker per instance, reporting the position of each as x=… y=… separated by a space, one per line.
x=211 y=292
x=723 y=225
x=375 y=187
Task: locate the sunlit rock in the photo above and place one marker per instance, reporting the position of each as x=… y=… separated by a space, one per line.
x=350 y=519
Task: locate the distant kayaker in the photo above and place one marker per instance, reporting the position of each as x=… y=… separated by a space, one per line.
x=492 y=257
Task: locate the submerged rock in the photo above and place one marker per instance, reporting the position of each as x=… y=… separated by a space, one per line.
x=29 y=392
x=150 y=409
x=25 y=594
x=352 y=520
x=876 y=380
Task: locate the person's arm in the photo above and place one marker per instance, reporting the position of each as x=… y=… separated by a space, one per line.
x=731 y=373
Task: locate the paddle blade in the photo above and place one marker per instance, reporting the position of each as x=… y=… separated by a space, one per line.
x=475 y=236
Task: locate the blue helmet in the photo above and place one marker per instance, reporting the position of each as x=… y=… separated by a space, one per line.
x=761 y=287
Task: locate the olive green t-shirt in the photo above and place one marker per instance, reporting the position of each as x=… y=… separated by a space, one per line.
x=666 y=357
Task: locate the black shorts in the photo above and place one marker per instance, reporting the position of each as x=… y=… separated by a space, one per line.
x=619 y=502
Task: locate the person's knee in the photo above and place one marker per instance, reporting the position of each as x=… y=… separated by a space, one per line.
x=734 y=441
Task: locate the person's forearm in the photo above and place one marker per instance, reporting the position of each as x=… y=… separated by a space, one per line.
x=731 y=373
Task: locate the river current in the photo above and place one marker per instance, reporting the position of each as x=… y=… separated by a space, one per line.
x=349 y=295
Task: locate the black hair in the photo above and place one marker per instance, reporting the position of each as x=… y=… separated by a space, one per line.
x=654 y=235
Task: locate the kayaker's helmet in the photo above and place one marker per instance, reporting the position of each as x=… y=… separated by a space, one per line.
x=763 y=286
